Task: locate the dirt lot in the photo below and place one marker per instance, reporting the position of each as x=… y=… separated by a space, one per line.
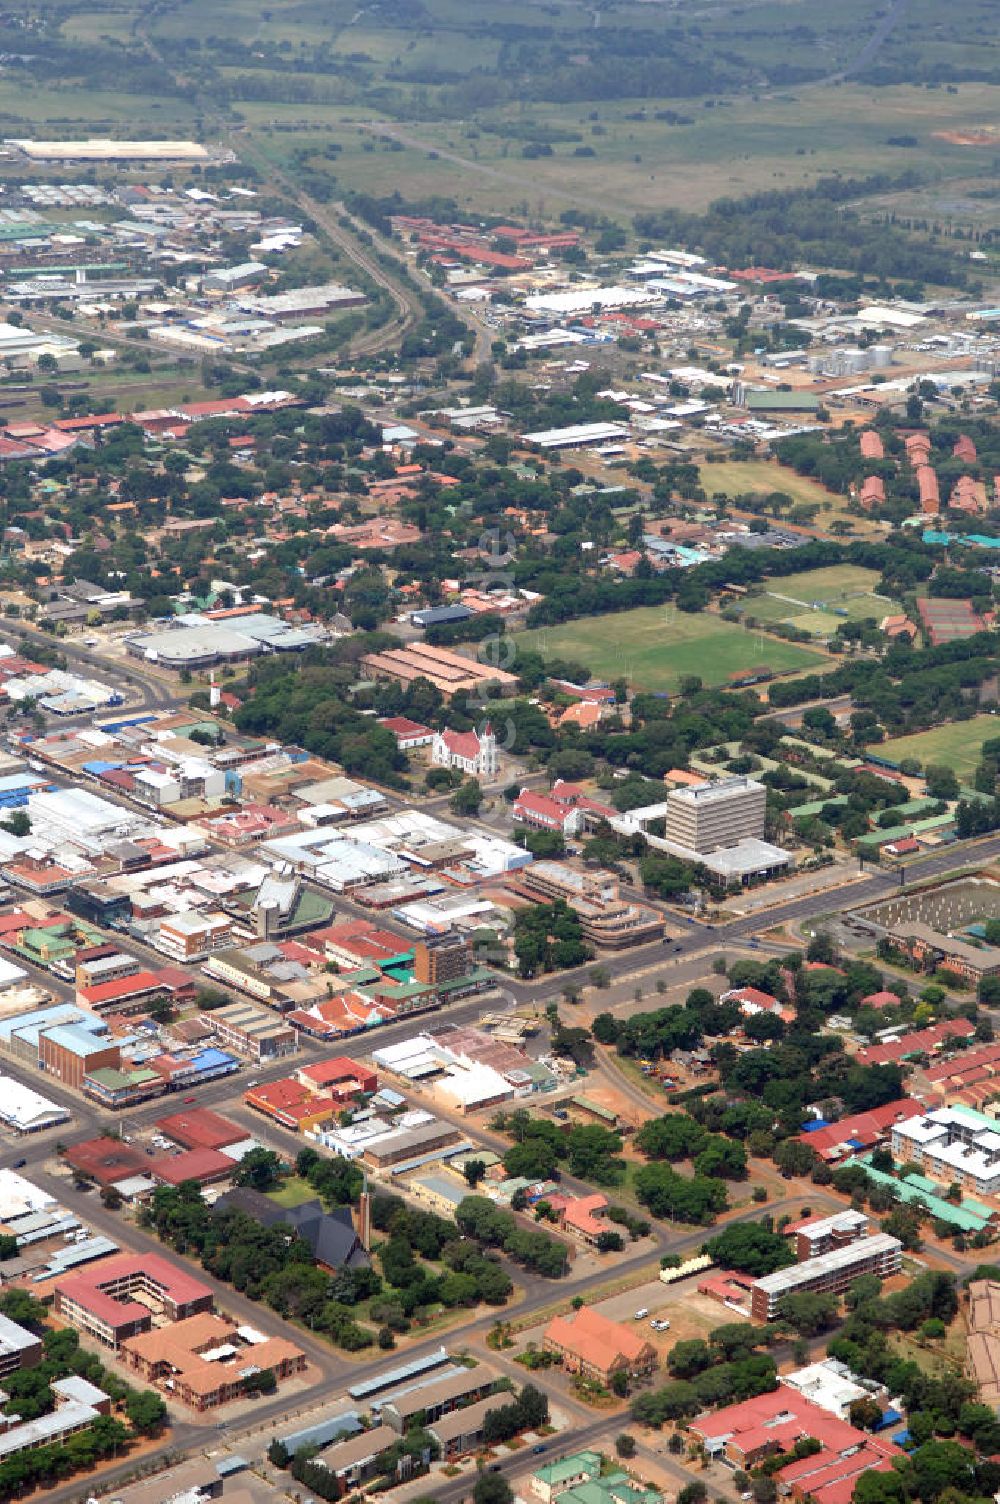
x=689 y=1314
x=628 y=1113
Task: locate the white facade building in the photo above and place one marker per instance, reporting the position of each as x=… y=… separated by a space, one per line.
x=467 y=751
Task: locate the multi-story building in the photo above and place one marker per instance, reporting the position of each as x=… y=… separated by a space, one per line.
x=19 y=1348
x=828 y=1274
x=250 y=1031
x=189 y=936
x=929 y=948
x=437 y=1398
x=70 y=1051
x=443 y=958
x=607 y=919
x=204 y=1360
x=821 y=1235
x=952 y=1144
x=461 y=1431
x=716 y=815
x=105 y=1302
x=104 y=963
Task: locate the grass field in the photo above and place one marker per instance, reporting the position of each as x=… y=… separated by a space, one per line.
x=844 y=590
x=956 y=745
x=655 y=647
x=742 y=477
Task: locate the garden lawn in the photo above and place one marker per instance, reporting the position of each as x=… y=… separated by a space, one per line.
x=956 y=745
x=293 y=1193
x=654 y=647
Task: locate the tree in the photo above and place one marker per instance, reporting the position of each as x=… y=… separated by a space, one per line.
x=752 y=1248
x=146 y=1411
x=807 y=1313
x=467 y=799
x=473 y=1170
x=688 y=1358
x=260 y=1169
x=793 y=1158
x=491 y=1488
x=942 y=782
x=693 y=1493
x=278 y=1454
x=625 y=1445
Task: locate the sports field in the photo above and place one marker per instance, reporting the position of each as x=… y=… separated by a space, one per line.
x=820 y=599
x=655 y=647
x=956 y=745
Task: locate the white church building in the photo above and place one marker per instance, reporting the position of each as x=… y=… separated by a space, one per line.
x=467 y=751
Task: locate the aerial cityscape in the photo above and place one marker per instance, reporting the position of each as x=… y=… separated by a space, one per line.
x=500 y=752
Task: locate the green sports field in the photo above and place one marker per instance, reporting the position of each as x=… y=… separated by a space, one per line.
x=655 y=647
x=956 y=745
x=818 y=600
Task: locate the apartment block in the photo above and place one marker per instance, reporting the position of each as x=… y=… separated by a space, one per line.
x=19 y=1348
x=828 y=1274
x=821 y=1235
x=953 y=1144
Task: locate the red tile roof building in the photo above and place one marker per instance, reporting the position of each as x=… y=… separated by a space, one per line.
x=968 y=495
x=927 y=485
x=590 y=1344
x=853 y=1135
x=200 y=1128
x=408 y=734
x=921 y=1041
x=872 y=493
x=584 y=1216
x=101 y=1301
x=343 y=1077
x=871 y=444
x=971 y=1078
x=185 y=1359
x=544 y=813
x=206 y=1166
x=747 y=1433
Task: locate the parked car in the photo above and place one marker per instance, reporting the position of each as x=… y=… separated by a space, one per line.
x=641 y=1313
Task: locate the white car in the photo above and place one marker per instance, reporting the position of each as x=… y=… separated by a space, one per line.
x=641 y=1313
x=660 y=1325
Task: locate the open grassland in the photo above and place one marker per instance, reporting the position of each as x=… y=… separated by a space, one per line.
x=783 y=141
x=654 y=647
x=464 y=91
x=761 y=477
x=956 y=745
x=734 y=478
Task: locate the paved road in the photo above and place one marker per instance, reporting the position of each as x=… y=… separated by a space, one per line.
x=139 y=684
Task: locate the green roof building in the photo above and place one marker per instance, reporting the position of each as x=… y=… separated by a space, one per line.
x=555 y=1477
